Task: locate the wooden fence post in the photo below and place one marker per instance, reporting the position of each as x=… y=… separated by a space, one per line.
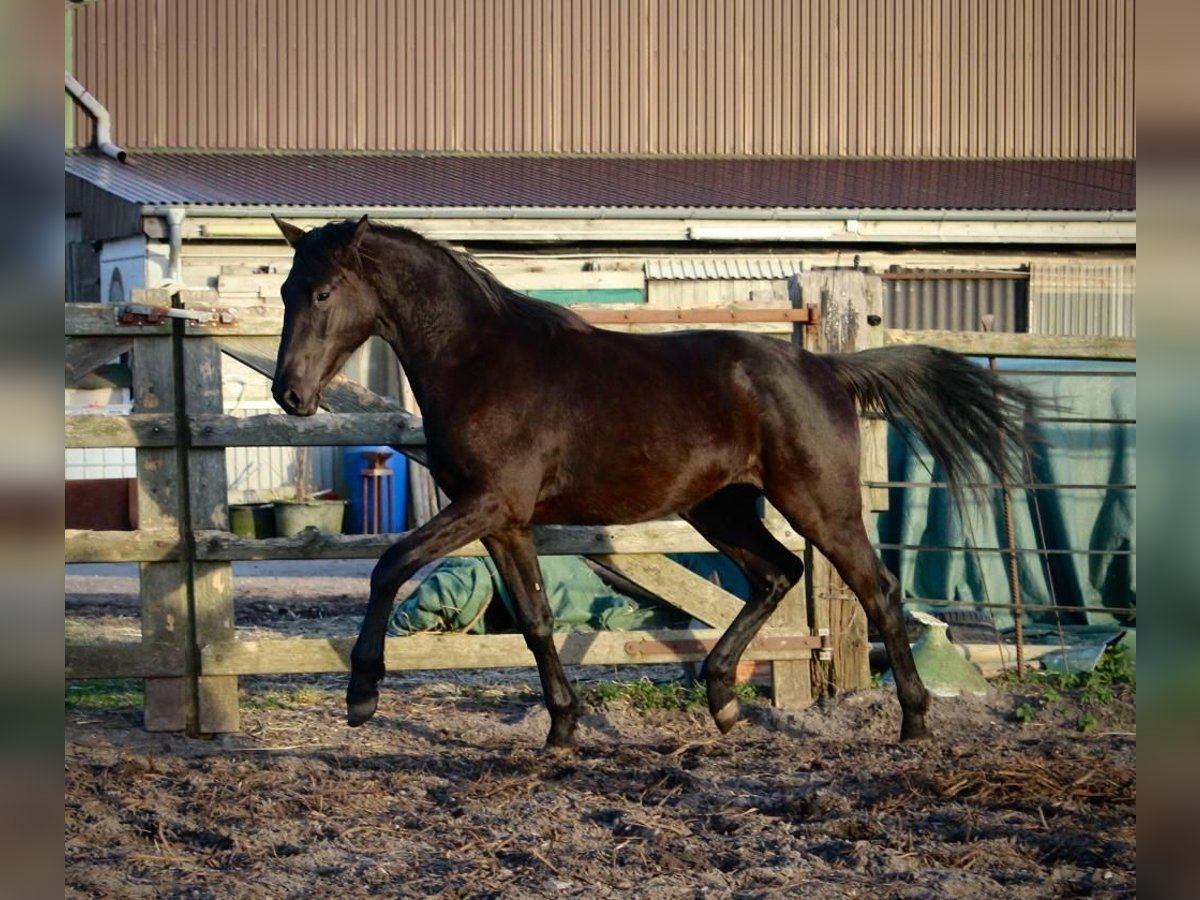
x=199 y=391
x=850 y=303
x=163 y=587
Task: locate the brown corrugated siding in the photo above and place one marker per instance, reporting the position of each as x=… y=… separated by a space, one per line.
x=857 y=78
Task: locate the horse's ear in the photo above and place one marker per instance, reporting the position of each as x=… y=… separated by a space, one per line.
x=360 y=231
x=291 y=233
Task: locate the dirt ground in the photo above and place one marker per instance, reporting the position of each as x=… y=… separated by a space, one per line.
x=447 y=792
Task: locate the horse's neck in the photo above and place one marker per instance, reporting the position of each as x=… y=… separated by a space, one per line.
x=437 y=335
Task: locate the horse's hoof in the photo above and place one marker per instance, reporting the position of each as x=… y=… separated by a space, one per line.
x=914 y=730
x=728 y=716
x=559 y=751
x=358 y=711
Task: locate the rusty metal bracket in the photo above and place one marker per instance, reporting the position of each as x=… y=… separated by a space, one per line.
x=143 y=314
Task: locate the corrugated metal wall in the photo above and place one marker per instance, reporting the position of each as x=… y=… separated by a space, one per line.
x=955 y=303
x=1083 y=298
x=857 y=78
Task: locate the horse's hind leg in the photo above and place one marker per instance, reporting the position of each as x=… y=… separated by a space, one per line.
x=842 y=537
x=516 y=558
x=729 y=520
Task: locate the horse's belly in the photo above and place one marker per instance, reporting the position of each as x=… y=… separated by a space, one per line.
x=623 y=490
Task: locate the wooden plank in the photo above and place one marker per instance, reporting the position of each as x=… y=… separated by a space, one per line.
x=144 y=545
x=211 y=581
x=791 y=680
x=715 y=316
x=169 y=702
x=341 y=395
x=460 y=651
x=846 y=299
x=267 y=320
x=995 y=343
x=85 y=355
x=651 y=537
x=683 y=589
x=128 y=659
x=134 y=430
x=348 y=429
x=100 y=320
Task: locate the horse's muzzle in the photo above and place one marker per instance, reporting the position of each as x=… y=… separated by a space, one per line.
x=292 y=403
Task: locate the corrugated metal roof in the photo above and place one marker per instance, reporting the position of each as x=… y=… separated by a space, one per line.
x=409 y=180
x=721 y=269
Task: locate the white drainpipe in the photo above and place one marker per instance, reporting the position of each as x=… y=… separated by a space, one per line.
x=103 y=133
x=175 y=216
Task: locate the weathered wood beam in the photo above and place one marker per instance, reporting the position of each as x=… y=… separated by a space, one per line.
x=455 y=651
x=683 y=589
x=134 y=430
x=348 y=429
x=85 y=355
x=144 y=545
x=653 y=537
x=127 y=659
x=997 y=343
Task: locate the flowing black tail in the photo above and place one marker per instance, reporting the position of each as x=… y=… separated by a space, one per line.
x=961 y=411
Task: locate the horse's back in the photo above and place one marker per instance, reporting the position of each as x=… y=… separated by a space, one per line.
x=638 y=426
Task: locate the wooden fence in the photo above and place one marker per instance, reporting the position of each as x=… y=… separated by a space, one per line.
x=189 y=653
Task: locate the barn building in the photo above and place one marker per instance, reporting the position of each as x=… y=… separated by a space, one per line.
x=981 y=159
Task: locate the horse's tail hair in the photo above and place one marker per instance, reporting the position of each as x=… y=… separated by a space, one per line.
x=963 y=413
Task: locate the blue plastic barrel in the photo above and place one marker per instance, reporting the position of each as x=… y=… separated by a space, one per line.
x=354 y=460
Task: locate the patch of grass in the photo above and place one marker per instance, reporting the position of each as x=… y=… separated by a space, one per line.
x=646 y=695
x=105 y=694
x=285 y=697
x=1094 y=688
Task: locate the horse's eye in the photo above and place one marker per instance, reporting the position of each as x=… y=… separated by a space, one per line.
x=322 y=295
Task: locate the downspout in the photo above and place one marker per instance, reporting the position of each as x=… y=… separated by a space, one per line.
x=175 y=216
x=102 y=137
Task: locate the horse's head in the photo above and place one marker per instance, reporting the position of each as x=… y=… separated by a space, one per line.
x=329 y=311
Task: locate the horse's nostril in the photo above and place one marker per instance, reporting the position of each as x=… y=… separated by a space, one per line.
x=292 y=398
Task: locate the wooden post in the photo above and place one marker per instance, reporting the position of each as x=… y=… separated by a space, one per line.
x=791 y=680
x=850 y=304
x=199 y=391
x=169 y=702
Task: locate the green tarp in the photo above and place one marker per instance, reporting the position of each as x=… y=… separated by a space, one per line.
x=454 y=596
x=1071 y=517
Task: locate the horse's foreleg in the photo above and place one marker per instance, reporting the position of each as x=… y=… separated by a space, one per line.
x=516 y=558
x=460 y=523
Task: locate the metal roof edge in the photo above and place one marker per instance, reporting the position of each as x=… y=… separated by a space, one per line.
x=781 y=214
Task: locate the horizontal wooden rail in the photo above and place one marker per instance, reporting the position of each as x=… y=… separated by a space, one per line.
x=136 y=430
x=489 y=651
x=349 y=429
x=690 y=316
x=652 y=537
x=127 y=659
x=146 y=545
x=84 y=320
x=997 y=343
x=267 y=320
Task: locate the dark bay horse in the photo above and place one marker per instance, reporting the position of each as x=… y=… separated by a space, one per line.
x=532 y=417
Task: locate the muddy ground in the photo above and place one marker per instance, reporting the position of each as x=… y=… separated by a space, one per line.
x=448 y=793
